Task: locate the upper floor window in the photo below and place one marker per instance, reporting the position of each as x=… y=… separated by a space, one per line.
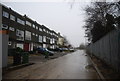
x=12 y=17
x=40 y=29
x=55 y=35
x=40 y=38
x=49 y=32
x=33 y=26
x=20 y=21
x=20 y=34
x=36 y=27
x=51 y=41
x=27 y=35
x=36 y=35
x=33 y=33
x=44 y=30
x=28 y=23
x=11 y=28
x=4 y=26
x=5 y=14
x=44 y=38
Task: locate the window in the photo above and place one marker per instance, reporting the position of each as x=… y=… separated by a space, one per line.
x=55 y=35
x=36 y=27
x=20 y=21
x=51 y=41
x=27 y=35
x=33 y=26
x=20 y=34
x=5 y=14
x=44 y=30
x=44 y=38
x=44 y=45
x=48 y=38
x=33 y=33
x=11 y=28
x=36 y=35
x=28 y=23
x=40 y=29
x=4 y=26
x=12 y=17
x=40 y=38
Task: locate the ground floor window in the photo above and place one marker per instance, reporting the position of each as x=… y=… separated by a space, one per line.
x=19 y=45
x=44 y=45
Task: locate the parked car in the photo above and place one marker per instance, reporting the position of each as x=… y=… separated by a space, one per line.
x=44 y=50
x=71 y=50
x=55 y=50
x=60 y=49
x=49 y=52
x=65 y=49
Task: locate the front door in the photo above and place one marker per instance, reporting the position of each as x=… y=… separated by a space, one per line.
x=26 y=47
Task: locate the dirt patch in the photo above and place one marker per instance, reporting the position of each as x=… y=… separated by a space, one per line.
x=107 y=71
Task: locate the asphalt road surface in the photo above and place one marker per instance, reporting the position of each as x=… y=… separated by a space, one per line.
x=75 y=65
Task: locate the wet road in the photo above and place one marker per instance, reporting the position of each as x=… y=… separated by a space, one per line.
x=71 y=66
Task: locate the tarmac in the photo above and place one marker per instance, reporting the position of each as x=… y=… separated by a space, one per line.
x=75 y=65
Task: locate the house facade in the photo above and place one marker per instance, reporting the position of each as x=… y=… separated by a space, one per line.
x=26 y=33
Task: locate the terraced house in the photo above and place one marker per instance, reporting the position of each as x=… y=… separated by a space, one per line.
x=26 y=33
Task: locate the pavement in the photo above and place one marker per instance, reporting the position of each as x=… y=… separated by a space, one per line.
x=75 y=65
x=39 y=58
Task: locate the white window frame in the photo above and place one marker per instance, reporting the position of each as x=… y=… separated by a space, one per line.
x=12 y=17
x=36 y=35
x=33 y=25
x=44 y=38
x=28 y=23
x=18 y=33
x=51 y=42
x=40 y=38
x=20 y=21
x=33 y=33
x=36 y=27
x=11 y=29
x=3 y=26
x=44 y=30
x=5 y=14
x=27 y=35
x=40 y=29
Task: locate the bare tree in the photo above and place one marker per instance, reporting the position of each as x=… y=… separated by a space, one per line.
x=100 y=19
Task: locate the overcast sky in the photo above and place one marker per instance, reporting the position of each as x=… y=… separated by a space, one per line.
x=57 y=16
